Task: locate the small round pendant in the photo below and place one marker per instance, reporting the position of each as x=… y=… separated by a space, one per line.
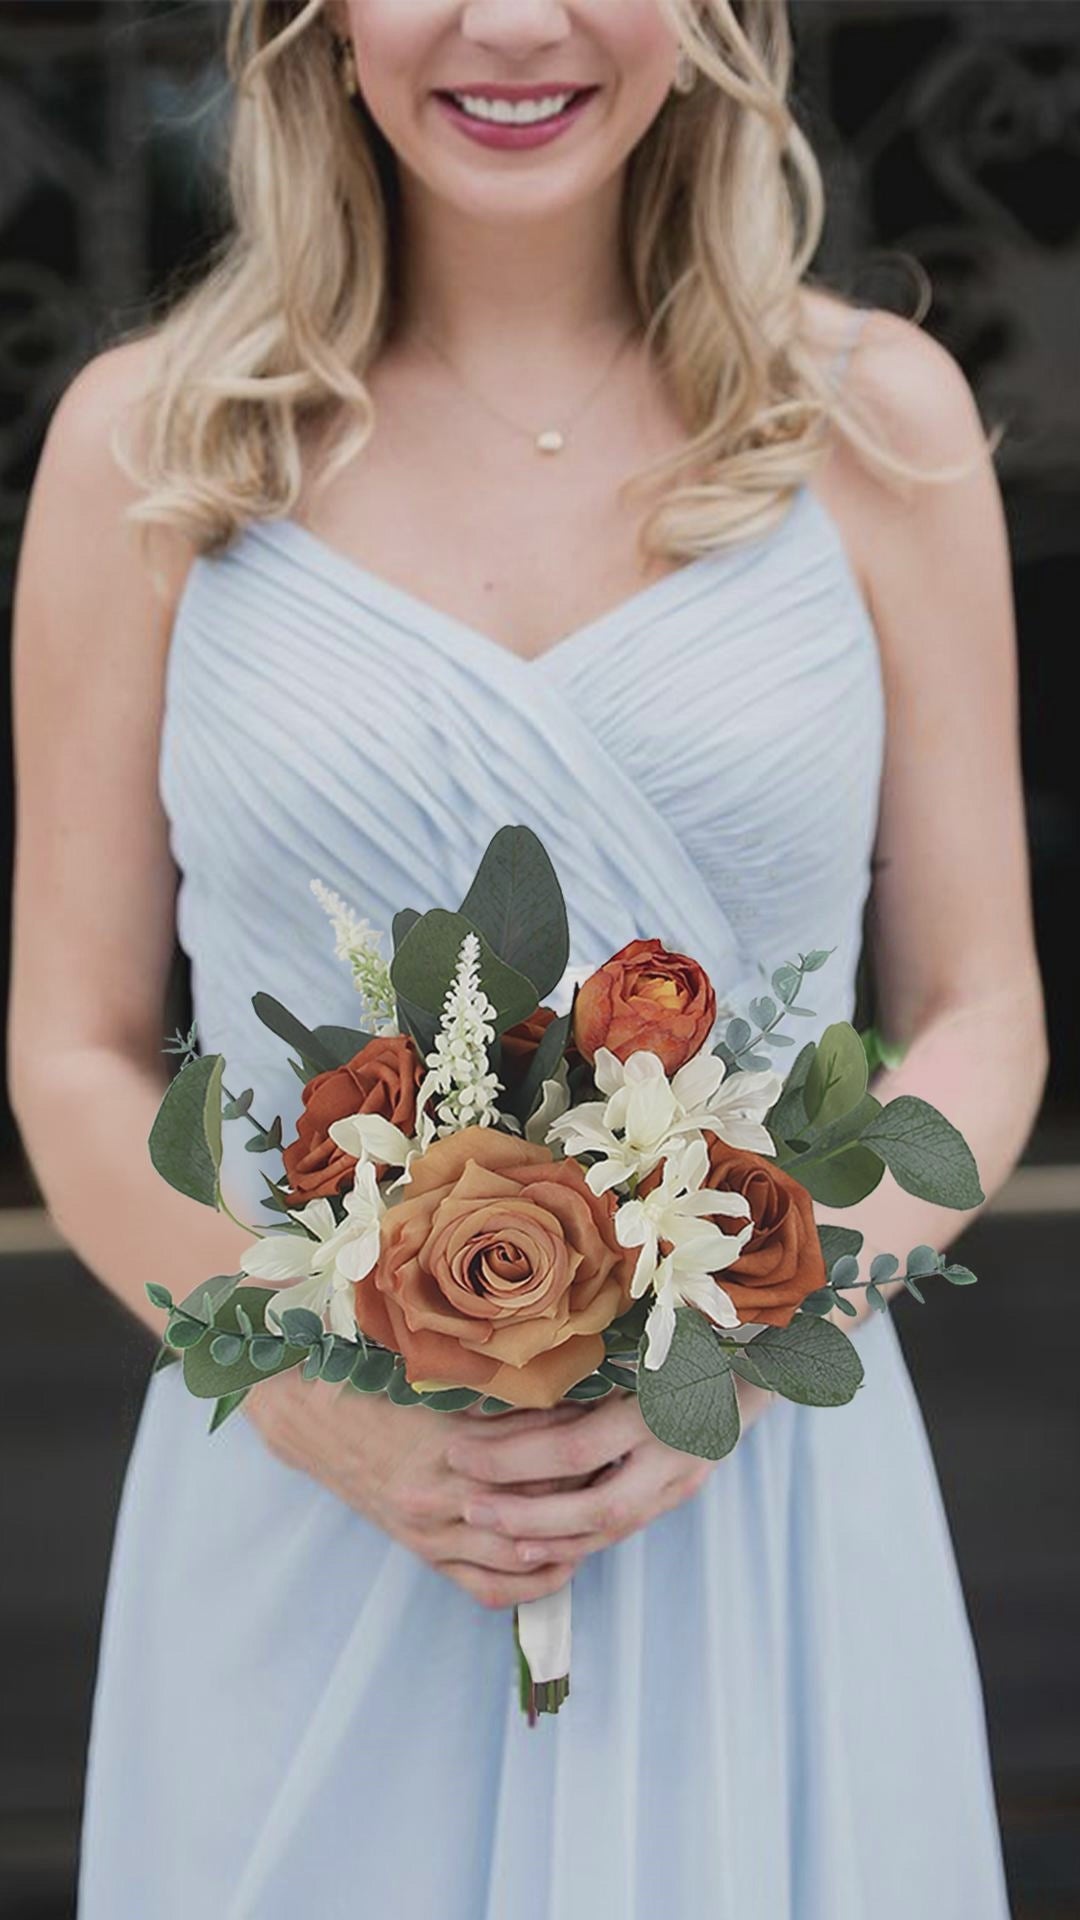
x=550 y=441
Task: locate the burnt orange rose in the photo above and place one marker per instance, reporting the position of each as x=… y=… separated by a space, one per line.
x=646 y=998
x=382 y=1079
x=520 y=1042
x=782 y=1260
x=498 y=1270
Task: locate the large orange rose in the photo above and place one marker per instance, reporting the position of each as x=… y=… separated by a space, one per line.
x=782 y=1260
x=646 y=998
x=382 y=1079
x=498 y=1270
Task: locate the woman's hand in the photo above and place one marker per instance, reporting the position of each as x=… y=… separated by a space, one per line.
x=629 y=1477
x=390 y=1464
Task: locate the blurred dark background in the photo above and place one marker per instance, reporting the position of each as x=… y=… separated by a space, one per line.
x=950 y=132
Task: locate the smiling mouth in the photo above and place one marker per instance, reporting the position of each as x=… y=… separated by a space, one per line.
x=521 y=110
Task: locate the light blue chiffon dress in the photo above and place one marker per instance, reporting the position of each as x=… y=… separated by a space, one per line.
x=775 y=1710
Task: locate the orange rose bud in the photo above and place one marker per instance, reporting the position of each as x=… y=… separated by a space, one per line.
x=499 y=1269
x=782 y=1261
x=645 y=998
x=382 y=1079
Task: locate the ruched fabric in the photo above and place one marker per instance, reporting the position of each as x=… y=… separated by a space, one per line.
x=775 y=1709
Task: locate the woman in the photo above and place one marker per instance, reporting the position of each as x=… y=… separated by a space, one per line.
x=488 y=261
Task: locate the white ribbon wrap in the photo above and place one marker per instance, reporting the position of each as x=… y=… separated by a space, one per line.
x=544 y=1633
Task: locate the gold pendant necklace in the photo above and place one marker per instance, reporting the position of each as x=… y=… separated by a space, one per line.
x=547 y=440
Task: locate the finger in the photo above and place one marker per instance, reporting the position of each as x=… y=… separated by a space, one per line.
x=579 y=1446
x=506 y=1589
x=615 y=1503
x=482 y=1548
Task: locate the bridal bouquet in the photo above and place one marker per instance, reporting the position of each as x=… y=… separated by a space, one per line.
x=490 y=1204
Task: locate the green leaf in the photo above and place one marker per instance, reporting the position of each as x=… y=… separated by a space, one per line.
x=838 y=1241
x=423 y=968
x=816 y=958
x=492 y=1405
x=405 y=918
x=810 y=1362
x=837 y=1078
x=786 y=982
x=960 y=1276
x=593 y=1387
x=184 y=1332
x=738 y=1033
x=205 y=1300
x=209 y=1381
x=883 y=1266
x=301 y=1326
x=227 y=1404
x=844 y=1271
x=185 y=1139
x=846 y=1306
x=225 y=1348
x=877 y=1300
x=923 y=1260
x=689 y=1402
x=165 y=1358
x=235 y=1109
x=763 y=1010
x=341 y=1044
x=788 y=1118
x=619 y=1376
x=517 y=904
x=317 y=1057
x=158 y=1296
x=925 y=1153
x=265 y=1352
x=312 y=1366
x=915 y=1292
x=841 y=1181
x=399 y=1391
x=372 y=1371
x=452 y=1399
x=823 y=1301
x=337 y=1364
x=542 y=1066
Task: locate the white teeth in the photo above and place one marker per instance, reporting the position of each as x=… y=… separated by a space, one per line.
x=519 y=113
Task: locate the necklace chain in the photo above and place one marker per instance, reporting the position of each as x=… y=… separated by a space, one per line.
x=545 y=439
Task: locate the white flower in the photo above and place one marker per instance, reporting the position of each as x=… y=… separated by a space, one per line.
x=324 y=1269
x=458 y=1064
x=683 y=1276
x=356 y=941
x=643 y=1112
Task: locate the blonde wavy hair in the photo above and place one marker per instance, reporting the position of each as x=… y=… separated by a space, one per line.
x=723 y=210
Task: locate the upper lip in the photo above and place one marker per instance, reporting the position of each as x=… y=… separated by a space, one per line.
x=511 y=90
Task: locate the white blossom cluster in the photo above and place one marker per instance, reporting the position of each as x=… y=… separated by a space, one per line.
x=356 y=941
x=458 y=1063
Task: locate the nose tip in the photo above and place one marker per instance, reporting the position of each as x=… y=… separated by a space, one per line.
x=516 y=28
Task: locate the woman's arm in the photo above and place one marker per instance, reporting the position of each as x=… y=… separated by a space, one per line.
x=950 y=929
x=92 y=943
x=94 y=886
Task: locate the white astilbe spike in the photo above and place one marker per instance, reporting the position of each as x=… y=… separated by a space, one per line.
x=358 y=942
x=458 y=1063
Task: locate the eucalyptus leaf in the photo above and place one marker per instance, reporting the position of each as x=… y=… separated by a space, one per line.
x=837 y=1078
x=342 y=1044
x=185 y=1139
x=185 y=1333
x=883 y=1266
x=877 y=1300
x=788 y=1118
x=763 y=1010
x=786 y=982
x=227 y=1404
x=516 y=903
x=372 y=1371
x=737 y=1034
x=838 y=1241
x=424 y=964
x=165 y=1358
x=452 y=1399
x=960 y=1276
x=226 y=1348
x=809 y=1361
x=405 y=918
x=338 y=1363
x=542 y=1066
x=236 y=1108
x=925 y=1153
x=157 y=1295
x=923 y=1260
x=844 y=1271
x=689 y=1402
x=301 y=1326
x=209 y=1381
x=490 y=1404
x=816 y=958
x=593 y=1387
x=316 y=1057
x=398 y=1389
x=843 y=1180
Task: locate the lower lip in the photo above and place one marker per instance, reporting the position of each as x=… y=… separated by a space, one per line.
x=501 y=133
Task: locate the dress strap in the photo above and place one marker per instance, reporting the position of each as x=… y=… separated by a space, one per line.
x=839 y=364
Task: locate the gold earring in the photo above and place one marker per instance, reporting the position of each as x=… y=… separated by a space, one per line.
x=685 y=74
x=343 y=47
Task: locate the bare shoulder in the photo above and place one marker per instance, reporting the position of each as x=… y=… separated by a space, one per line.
x=914 y=389
x=81 y=491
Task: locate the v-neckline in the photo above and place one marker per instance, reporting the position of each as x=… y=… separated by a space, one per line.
x=406 y=607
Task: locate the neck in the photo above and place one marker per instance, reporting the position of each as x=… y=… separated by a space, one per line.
x=489 y=291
